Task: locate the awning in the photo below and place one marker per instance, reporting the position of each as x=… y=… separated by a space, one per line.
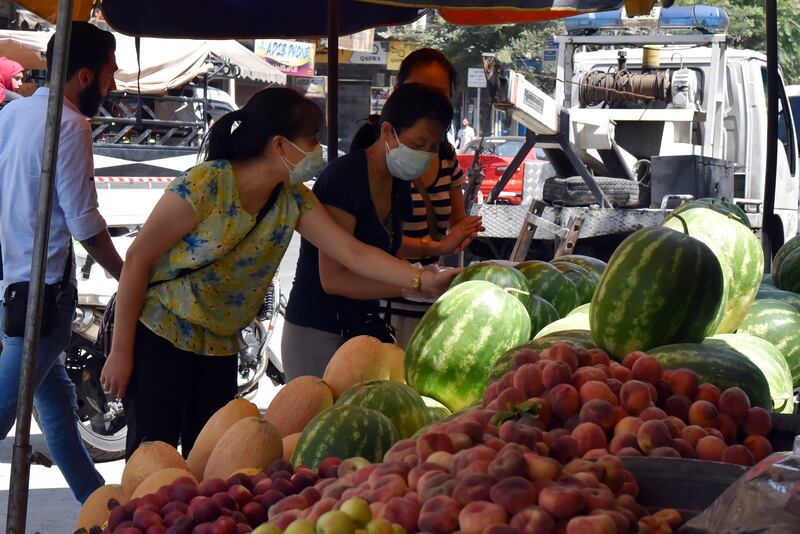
x=26 y=48
x=165 y=63
x=170 y=63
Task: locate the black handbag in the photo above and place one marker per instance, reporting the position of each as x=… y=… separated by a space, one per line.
x=361 y=320
x=15 y=303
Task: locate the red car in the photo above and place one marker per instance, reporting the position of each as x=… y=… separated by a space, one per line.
x=497 y=155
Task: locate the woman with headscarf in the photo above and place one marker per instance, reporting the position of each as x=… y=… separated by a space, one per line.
x=11 y=74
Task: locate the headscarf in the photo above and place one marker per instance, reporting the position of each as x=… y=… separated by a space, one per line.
x=8 y=69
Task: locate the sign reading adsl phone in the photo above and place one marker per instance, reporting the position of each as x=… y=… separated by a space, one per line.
x=295 y=58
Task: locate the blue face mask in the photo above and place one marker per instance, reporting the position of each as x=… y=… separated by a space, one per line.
x=406 y=163
x=305 y=169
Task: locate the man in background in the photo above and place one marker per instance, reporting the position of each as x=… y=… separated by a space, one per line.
x=465 y=134
x=90 y=76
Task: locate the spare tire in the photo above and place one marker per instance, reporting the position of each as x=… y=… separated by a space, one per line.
x=573 y=191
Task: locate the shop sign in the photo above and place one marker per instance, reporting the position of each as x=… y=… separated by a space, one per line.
x=397 y=52
x=378 y=98
x=295 y=58
x=378 y=55
x=312 y=87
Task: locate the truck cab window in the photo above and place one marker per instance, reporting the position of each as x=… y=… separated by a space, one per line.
x=786 y=133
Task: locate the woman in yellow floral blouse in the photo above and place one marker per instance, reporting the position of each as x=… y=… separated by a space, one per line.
x=198 y=270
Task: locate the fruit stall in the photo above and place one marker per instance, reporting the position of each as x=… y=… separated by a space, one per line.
x=563 y=396
x=543 y=397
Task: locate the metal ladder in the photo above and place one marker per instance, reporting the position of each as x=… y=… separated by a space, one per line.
x=567 y=235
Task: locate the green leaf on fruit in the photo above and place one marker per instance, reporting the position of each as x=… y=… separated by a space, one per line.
x=515 y=412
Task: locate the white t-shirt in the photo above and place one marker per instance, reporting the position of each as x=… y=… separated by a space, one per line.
x=465 y=135
x=74 y=213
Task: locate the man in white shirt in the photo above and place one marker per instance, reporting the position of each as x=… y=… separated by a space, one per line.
x=465 y=134
x=90 y=69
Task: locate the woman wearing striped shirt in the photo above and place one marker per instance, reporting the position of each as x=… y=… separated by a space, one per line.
x=437 y=195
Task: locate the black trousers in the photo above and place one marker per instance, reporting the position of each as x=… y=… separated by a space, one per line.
x=172 y=392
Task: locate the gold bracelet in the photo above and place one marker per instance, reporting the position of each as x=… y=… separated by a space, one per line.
x=416 y=281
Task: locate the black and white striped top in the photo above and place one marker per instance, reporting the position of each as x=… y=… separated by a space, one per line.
x=416 y=226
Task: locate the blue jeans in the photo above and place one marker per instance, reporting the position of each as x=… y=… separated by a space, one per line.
x=55 y=400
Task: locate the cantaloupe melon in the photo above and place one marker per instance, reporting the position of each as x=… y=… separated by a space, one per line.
x=220 y=422
x=250 y=442
x=94 y=511
x=151 y=456
x=358 y=360
x=164 y=477
x=289 y=443
x=395 y=357
x=297 y=403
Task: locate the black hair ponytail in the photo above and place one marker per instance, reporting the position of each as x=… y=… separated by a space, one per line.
x=245 y=133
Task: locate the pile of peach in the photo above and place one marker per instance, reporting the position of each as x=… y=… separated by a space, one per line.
x=591 y=406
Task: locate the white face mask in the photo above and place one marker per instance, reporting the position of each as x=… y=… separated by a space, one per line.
x=307 y=168
x=406 y=163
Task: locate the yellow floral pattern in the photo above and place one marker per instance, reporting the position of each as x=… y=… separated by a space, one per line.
x=204 y=311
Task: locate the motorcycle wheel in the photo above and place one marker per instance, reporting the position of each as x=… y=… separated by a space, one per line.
x=101 y=420
x=253 y=359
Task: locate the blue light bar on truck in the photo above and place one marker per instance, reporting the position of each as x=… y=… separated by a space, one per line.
x=602 y=20
x=708 y=18
x=705 y=18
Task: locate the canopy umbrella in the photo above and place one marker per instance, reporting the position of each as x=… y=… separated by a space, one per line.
x=482 y=12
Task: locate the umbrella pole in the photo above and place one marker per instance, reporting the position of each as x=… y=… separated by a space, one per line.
x=333 y=79
x=771 y=13
x=21 y=458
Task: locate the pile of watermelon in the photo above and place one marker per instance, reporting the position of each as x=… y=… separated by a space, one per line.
x=693 y=286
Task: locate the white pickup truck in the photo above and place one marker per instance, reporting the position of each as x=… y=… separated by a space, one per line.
x=698 y=131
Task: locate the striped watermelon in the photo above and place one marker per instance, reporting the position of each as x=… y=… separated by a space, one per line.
x=778 y=323
x=721 y=206
x=786 y=266
x=579 y=338
x=583 y=309
x=585 y=281
x=455 y=344
x=660 y=287
x=508 y=278
x=345 y=432
x=542 y=313
x=788 y=297
x=720 y=365
x=550 y=284
x=400 y=403
x=578 y=321
x=436 y=410
x=587 y=262
x=769 y=359
x=739 y=253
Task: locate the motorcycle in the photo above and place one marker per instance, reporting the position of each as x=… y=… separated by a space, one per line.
x=101 y=416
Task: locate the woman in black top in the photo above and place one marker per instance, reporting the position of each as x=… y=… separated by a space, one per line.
x=368 y=193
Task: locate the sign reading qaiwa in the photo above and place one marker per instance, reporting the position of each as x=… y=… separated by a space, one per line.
x=295 y=58
x=378 y=56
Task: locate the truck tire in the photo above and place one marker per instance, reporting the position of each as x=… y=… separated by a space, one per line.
x=573 y=191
